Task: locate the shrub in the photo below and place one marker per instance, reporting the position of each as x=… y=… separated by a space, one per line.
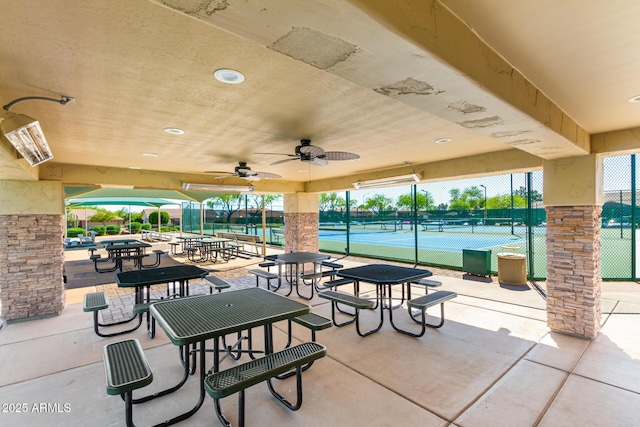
x=135 y=227
x=73 y=232
x=100 y=230
x=113 y=229
x=146 y=226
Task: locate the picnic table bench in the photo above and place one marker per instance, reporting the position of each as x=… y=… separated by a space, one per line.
x=94 y=302
x=216 y=283
x=240 y=377
x=242 y=239
x=126 y=369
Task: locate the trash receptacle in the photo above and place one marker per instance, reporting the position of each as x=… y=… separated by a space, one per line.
x=512 y=266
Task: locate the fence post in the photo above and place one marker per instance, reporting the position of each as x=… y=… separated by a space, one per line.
x=530 y=223
x=633 y=217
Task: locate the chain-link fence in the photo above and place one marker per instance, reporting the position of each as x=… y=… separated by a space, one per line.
x=431 y=224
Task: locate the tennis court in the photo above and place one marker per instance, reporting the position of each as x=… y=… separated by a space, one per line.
x=453 y=240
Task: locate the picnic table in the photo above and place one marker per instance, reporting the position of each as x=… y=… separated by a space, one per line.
x=384 y=276
x=119 y=252
x=191 y=321
x=294 y=260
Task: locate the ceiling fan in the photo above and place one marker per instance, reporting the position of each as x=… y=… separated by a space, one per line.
x=245 y=172
x=314 y=155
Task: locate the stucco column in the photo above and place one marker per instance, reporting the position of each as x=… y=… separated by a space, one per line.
x=573 y=200
x=301 y=219
x=31 y=249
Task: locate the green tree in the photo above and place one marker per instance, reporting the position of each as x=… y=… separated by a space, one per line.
x=103 y=216
x=474 y=196
x=227 y=204
x=424 y=201
x=331 y=202
x=137 y=217
x=522 y=192
x=470 y=198
x=503 y=201
x=379 y=203
x=256 y=202
x=164 y=218
x=269 y=199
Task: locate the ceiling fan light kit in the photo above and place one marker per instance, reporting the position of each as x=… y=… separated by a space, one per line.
x=243 y=171
x=413 y=178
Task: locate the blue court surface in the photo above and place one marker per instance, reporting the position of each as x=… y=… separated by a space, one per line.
x=453 y=242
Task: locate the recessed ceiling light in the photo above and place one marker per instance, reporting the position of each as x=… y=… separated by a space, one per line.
x=228 y=76
x=150 y=154
x=135 y=167
x=635 y=99
x=442 y=140
x=174 y=131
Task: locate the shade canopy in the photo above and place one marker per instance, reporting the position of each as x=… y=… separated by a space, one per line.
x=125 y=201
x=79 y=194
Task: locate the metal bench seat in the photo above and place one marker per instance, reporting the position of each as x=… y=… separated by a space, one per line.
x=424 y=302
x=236 y=379
x=353 y=301
x=126 y=369
x=265 y=275
x=332 y=265
x=96 y=301
x=216 y=283
x=335 y=283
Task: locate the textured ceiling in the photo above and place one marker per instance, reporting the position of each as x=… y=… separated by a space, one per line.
x=510 y=83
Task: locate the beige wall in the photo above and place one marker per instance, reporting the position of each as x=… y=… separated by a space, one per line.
x=301 y=203
x=31 y=197
x=575 y=181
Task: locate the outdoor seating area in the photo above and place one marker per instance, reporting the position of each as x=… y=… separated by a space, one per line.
x=493 y=362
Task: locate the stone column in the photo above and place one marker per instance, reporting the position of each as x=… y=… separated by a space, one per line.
x=31 y=249
x=301 y=219
x=573 y=201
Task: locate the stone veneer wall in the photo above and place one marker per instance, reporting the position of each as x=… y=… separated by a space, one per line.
x=31 y=262
x=573 y=269
x=301 y=232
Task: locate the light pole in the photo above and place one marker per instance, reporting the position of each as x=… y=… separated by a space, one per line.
x=485 y=203
x=426 y=199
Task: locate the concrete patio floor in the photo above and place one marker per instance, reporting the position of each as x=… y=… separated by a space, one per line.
x=493 y=363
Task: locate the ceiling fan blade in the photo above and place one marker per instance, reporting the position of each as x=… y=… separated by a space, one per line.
x=285 y=160
x=341 y=155
x=251 y=177
x=317 y=161
x=311 y=150
x=268 y=175
x=279 y=154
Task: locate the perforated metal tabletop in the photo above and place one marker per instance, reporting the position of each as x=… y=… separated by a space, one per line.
x=156 y=276
x=383 y=274
x=189 y=320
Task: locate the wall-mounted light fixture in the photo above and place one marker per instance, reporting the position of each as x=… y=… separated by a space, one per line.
x=25 y=133
x=218 y=188
x=395 y=180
